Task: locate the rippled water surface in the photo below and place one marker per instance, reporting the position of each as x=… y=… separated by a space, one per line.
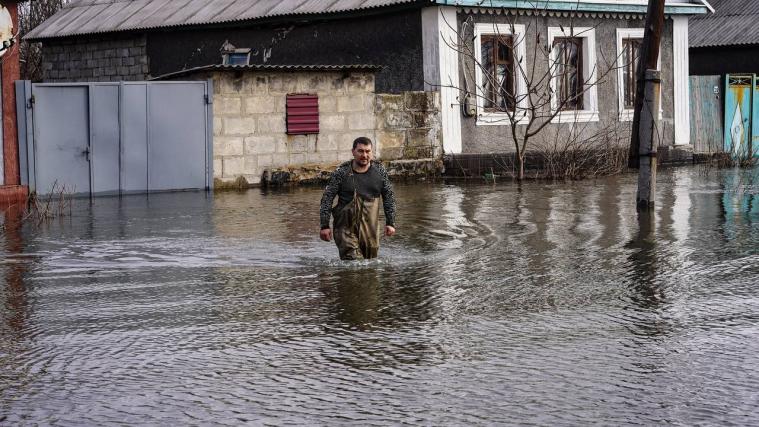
x=546 y=304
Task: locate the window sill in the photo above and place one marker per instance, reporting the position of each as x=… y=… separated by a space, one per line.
x=582 y=116
x=499 y=119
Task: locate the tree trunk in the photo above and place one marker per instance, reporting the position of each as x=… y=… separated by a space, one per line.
x=520 y=165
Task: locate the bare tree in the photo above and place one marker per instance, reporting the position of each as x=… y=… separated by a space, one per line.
x=30 y=15
x=527 y=78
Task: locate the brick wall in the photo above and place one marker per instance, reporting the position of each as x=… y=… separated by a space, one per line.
x=9 y=72
x=249 y=121
x=95 y=60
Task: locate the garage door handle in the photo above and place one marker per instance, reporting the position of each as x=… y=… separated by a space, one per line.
x=86 y=153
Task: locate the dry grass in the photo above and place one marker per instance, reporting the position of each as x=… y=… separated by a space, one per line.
x=56 y=204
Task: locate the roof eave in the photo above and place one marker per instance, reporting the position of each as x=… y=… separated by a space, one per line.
x=270 y=68
x=725 y=45
x=708 y=6
x=576 y=6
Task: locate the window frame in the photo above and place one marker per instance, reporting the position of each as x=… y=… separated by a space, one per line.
x=589 y=112
x=580 y=67
x=484 y=117
x=237 y=52
x=509 y=63
x=626 y=114
x=629 y=71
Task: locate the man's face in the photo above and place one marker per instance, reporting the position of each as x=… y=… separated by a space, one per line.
x=362 y=154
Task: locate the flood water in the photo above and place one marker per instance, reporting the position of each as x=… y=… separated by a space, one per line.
x=548 y=304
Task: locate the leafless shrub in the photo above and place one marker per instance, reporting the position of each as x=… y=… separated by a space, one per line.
x=575 y=154
x=719 y=161
x=601 y=154
x=55 y=204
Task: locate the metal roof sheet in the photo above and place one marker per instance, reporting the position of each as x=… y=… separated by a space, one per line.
x=81 y=17
x=735 y=22
x=270 y=67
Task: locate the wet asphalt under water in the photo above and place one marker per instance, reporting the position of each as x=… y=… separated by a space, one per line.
x=548 y=304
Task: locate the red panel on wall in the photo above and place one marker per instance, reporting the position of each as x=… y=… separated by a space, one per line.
x=302 y=114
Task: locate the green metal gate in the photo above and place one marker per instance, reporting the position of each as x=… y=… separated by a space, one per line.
x=741 y=138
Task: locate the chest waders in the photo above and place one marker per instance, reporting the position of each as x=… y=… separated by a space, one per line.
x=357 y=232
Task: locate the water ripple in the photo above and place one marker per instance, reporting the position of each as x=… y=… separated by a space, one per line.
x=545 y=303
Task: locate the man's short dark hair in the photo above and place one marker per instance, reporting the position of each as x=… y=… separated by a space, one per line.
x=361 y=140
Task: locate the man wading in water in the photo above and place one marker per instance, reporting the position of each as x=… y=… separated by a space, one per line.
x=358 y=185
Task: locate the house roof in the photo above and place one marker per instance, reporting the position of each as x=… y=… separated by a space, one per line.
x=270 y=67
x=734 y=22
x=82 y=17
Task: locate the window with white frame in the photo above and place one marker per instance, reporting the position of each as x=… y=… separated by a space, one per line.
x=629 y=43
x=500 y=86
x=568 y=72
x=572 y=63
x=497 y=54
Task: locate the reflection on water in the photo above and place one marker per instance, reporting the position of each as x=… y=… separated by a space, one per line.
x=546 y=303
x=14 y=306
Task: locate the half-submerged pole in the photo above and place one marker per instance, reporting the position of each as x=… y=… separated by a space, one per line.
x=648 y=141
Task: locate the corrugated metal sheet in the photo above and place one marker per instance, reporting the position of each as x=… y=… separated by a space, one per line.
x=302 y=114
x=592 y=8
x=735 y=22
x=270 y=67
x=99 y=16
x=610 y=9
x=82 y=17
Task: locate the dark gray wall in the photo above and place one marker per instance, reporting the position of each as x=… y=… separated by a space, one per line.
x=707 y=61
x=497 y=139
x=96 y=59
x=392 y=40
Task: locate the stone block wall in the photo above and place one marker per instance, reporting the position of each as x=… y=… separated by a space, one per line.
x=250 y=136
x=95 y=60
x=408 y=125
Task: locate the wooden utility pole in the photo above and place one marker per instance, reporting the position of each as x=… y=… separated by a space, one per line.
x=645 y=127
x=648 y=60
